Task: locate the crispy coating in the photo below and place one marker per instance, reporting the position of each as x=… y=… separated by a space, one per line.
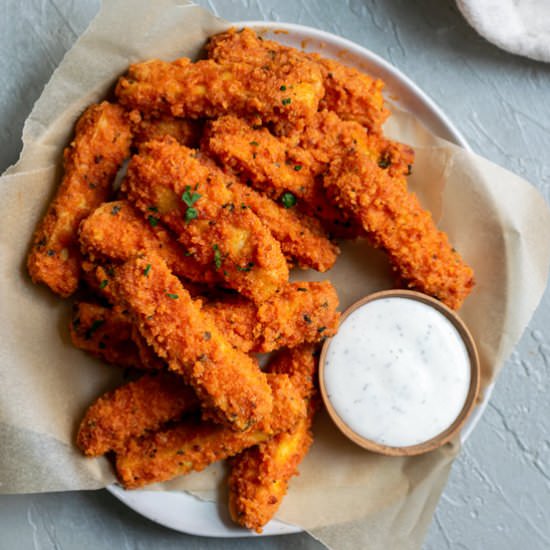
x=193 y=197
x=285 y=93
x=132 y=410
x=91 y=161
x=278 y=167
x=117 y=231
x=184 y=130
x=190 y=446
x=352 y=94
x=301 y=312
x=108 y=333
x=226 y=380
x=260 y=475
x=396 y=222
x=302 y=238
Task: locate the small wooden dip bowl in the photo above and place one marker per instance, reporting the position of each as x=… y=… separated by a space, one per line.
x=471 y=397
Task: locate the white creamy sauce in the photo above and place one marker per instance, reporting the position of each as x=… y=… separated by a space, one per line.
x=397 y=372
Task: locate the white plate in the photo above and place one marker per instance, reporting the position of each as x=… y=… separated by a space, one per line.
x=179 y=510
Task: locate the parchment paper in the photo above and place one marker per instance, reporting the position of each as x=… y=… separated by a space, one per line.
x=346 y=497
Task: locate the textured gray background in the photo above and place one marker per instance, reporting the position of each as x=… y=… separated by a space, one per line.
x=498 y=496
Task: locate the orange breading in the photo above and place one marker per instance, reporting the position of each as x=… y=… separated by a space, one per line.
x=226 y=380
x=396 y=222
x=301 y=312
x=117 y=231
x=191 y=446
x=184 y=130
x=284 y=93
x=91 y=161
x=108 y=333
x=260 y=475
x=193 y=197
x=301 y=237
x=270 y=163
x=352 y=94
x=277 y=166
x=132 y=410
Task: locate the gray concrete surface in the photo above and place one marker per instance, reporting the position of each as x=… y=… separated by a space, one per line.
x=498 y=496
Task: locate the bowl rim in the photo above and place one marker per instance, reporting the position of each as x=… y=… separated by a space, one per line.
x=471 y=397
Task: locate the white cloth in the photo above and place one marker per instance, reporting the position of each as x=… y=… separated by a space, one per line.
x=517 y=26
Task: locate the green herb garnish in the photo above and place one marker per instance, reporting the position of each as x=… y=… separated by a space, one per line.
x=147 y=269
x=173 y=296
x=286 y=101
x=288 y=200
x=153 y=221
x=217 y=256
x=103 y=283
x=189 y=197
x=191 y=214
x=95 y=325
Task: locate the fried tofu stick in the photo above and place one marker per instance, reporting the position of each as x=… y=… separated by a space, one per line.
x=284 y=93
x=396 y=222
x=191 y=446
x=117 y=231
x=91 y=161
x=260 y=475
x=278 y=167
x=193 y=197
x=132 y=410
x=352 y=94
x=184 y=130
x=108 y=333
x=301 y=237
x=225 y=380
x=301 y=312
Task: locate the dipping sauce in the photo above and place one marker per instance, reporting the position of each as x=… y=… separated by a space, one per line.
x=397 y=372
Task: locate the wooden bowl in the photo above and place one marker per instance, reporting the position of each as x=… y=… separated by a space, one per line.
x=471 y=397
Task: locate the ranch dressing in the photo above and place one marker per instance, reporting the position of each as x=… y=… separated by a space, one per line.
x=397 y=372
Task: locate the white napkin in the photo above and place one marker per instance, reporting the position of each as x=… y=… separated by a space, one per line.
x=517 y=26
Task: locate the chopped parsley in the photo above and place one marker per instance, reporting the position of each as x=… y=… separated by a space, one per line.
x=254 y=143
x=153 y=221
x=94 y=326
x=247 y=268
x=115 y=210
x=189 y=197
x=173 y=296
x=103 y=283
x=147 y=269
x=307 y=318
x=282 y=88
x=191 y=214
x=217 y=256
x=288 y=200
x=321 y=329
x=298 y=167
x=286 y=101
x=384 y=162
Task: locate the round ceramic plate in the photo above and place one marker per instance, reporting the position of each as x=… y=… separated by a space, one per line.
x=179 y=510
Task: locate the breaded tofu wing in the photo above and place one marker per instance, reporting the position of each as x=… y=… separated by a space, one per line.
x=396 y=222
x=174 y=185
x=100 y=145
x=302 y=238
x=281 y=169
x=301 y=312
x=226 y=380
x=260 y=475
x=108 y=333
x=283 y=93
x=353 y=95
x=191 y=446
x=184 y=130
x=117 y=231
x=132 y=410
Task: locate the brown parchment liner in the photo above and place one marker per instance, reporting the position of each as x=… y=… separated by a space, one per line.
x=345 y=496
